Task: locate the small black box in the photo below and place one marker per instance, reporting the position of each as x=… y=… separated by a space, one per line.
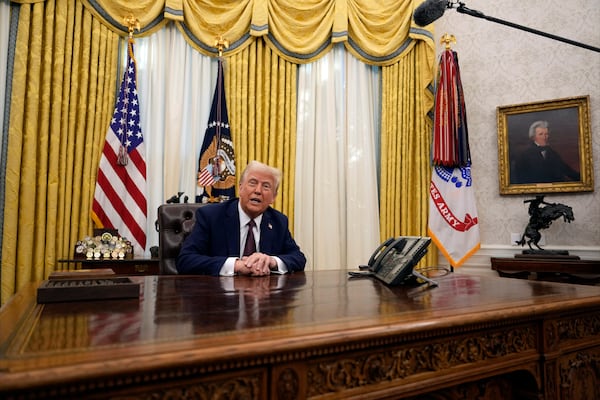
x=98 y=288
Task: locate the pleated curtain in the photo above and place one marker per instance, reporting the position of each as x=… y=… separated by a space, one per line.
x=366 y=174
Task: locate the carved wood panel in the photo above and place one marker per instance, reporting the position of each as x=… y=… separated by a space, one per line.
x=401 y=362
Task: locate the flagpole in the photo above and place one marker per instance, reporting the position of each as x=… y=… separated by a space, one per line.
x=120 y=194
x=220 y=44
x=453 y=220
x=216 y=163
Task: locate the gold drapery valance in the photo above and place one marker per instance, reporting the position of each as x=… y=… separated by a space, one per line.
x=376 y=32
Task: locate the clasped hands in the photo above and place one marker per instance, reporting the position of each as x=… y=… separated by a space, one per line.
x=256 y=264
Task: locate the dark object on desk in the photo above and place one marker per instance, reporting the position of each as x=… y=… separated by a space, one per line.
x=394 y=260
x=98 y=288
x=541 y=218
x=175 y=222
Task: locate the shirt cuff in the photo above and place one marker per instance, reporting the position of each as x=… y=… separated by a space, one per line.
x=281 y=267
x=228 y=268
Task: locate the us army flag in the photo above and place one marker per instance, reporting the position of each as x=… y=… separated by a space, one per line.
x=453 y=220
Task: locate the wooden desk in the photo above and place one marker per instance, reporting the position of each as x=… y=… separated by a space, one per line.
x=568 y=270
x=125 y=266
x=317 y=335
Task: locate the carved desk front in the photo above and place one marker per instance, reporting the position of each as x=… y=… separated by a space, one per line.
x=316 y=335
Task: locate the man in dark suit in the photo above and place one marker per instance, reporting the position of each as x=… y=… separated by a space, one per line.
x=540 y=163
x=217 y=242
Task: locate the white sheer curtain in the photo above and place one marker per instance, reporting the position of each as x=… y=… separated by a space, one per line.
x=337 y=214
x=336 y=194
x=175 y=85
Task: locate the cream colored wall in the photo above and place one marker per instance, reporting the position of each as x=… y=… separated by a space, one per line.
x=505 y=66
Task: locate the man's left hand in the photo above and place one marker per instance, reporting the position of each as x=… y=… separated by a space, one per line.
x=260 y=264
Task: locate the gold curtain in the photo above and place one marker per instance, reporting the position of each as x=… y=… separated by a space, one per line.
x=63 y=88
x=65 y=81
x=376 y=32
x=261 y=97
x=407 y=97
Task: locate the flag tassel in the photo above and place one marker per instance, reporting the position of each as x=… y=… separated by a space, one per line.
x=122 y=157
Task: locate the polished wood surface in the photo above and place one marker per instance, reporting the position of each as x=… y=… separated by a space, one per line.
x=557 y=269
x=308 y=335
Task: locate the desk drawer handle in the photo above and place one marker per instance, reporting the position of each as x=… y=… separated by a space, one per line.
x=140 y=268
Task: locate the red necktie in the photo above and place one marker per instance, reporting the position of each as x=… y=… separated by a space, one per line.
x=250 y=246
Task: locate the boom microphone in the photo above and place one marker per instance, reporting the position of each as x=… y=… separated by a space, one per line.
x=429 y=11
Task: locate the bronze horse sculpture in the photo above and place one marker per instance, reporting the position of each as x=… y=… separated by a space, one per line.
x=541 y=218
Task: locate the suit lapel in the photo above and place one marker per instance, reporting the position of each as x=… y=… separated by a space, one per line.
x=266 y=232
x=232 y=219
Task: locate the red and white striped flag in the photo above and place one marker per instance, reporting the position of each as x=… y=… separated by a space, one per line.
x=120 y=196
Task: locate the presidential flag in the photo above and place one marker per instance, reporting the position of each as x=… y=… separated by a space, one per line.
x=216 y=164
x=453 y=220
x=120 y=195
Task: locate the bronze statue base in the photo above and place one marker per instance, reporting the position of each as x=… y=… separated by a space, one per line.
x=560 y=254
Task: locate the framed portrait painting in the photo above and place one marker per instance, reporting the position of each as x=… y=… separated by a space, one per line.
x=545 y=147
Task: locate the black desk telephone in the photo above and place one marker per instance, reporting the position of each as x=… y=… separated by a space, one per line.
x=394 y=260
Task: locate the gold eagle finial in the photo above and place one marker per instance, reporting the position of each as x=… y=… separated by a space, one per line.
x=447 y=39
x=220 y=43
x=132 y=23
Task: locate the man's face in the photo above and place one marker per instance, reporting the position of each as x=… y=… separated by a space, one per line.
x=257 y=193
x=541 y=136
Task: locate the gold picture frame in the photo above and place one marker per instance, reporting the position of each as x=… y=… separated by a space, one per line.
x=567 y=160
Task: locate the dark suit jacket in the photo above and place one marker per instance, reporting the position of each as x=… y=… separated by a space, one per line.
x=216 y=236
x=532 y=167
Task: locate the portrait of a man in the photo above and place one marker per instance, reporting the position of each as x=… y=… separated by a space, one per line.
x=543 y=147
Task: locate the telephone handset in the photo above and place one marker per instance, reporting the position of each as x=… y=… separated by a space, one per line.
x=375 y=256
x=393 y=261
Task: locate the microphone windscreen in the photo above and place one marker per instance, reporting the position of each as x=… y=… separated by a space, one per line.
x=429 y=11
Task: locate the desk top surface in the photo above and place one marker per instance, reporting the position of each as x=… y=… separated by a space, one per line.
x=213 y=318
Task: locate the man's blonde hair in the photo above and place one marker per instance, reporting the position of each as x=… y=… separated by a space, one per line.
x=264 y=168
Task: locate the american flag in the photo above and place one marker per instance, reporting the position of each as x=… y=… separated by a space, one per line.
x=120 y=196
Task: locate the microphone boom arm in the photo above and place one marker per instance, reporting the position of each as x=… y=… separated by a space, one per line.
x=474 y=13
